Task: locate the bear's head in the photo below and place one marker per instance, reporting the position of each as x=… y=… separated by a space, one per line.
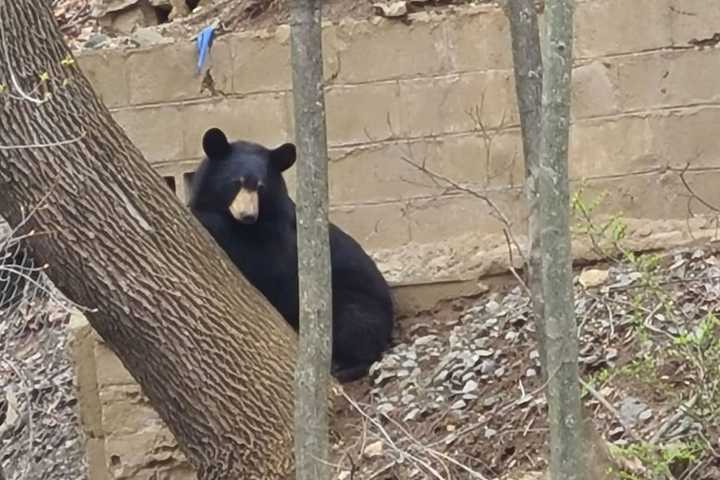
x=241 y=179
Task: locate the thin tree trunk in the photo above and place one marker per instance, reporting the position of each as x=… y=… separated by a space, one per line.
x=527 y=61
x=563 y=391
x=214 y=358
x=312 y=386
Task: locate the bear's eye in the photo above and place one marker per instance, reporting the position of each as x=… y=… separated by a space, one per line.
x=260 y=186
x=241 y=180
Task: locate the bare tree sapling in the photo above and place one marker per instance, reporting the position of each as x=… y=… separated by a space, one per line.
x=563 y=388
x=313 y=378
x=527 y=63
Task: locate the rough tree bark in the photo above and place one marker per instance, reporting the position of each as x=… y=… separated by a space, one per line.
x=214 y=358
x=312 y=389
x=527 y=62
x=563 y=390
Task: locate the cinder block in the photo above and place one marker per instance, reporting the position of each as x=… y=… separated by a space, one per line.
x=126 y=411
x=688 y=136
x=393 y=172
x=107 y=72
x=180 y=172
x=258 y=118
x=612 y=146
x=379 y=174
x=363 y=113
x=656 y=196
x=168 y=72
x=480 y=162
x=388 y=49
x=110 y=370
x=705 y=196
x=693 y=19
x=595 y=90
x=156 y=131
x=261 y=63
x=458 y=103
x=95 y=457
x=479 y=41
x=150 y=454
x=438 y=218
x=374 y=226
x=609 y=27
x=83 y=341
x=665 y=79
x=331 y=52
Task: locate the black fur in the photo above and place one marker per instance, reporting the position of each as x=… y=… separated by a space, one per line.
x=266 y=251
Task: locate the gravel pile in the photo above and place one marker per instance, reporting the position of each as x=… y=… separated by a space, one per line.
x=474 y=379
x=453 y=366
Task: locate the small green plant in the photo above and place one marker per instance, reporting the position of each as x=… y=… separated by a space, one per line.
x=647 y=302
x=600 y=378
x=700 y=348
x=703 y=338
x=606 y=237
x=641 y=369
x=647 y=461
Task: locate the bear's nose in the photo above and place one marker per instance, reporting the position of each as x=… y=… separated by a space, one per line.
x=247 y=218
x=244 y=206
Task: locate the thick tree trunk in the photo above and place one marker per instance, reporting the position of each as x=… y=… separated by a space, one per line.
x=527 y=61
x=563 y=391
x=214 y=358
x=312 y=453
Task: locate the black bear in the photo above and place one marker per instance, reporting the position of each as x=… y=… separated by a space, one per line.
x=238 y=193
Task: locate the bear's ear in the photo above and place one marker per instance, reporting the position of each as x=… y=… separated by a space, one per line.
x=215 y=143
x=283 y=157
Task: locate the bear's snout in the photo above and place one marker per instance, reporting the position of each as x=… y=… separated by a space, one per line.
x=245 y=206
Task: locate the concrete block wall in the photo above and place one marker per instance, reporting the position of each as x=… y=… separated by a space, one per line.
x=645 y=99
x=126 y=439
x=438 y=92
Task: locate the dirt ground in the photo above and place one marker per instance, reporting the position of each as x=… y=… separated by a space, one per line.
x=256 y=14
x=76 y=20
x=460 y=395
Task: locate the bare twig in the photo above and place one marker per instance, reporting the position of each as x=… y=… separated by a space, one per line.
x=432 y=451
x=683 y=172
x=605 y=403
x=511 y=263
x=382 y=470
x=388 y=439
x=668 y=424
